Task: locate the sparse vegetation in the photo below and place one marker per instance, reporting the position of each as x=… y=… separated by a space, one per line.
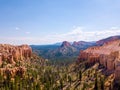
x=44 y=75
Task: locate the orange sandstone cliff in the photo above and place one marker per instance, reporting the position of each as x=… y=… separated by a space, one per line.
x=107 y=55
x=12 y=53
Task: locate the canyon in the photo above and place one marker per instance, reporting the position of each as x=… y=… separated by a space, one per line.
x=102 y=62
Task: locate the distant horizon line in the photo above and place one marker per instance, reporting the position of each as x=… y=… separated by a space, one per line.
x=59 y=43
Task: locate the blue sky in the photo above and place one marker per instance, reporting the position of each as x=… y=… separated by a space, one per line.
x=50 y=21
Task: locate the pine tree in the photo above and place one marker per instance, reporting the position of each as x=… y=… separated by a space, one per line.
x=61 y=83
x=102 y=84
x=96 y=82
x=69 y=79
x=38 y=86
x=83 y=88
x=80 y=75
x=16 y=82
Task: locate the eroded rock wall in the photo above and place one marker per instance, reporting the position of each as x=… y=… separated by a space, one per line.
x=108 y=55
x=12 y=53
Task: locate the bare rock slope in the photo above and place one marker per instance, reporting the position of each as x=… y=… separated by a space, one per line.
x=10 y=56
x=108 y=55
x=12 y=53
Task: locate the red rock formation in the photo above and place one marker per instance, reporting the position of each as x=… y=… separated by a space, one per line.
x=65 y=44
x=0 y=58
x=9 y=55
x=107 y=55
x=12 y=53
x=14 y=71
x=112 y=38
x=117 y=69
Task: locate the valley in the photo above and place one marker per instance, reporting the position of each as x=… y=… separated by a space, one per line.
x=59 y=45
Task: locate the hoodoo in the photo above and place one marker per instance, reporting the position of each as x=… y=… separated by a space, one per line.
x=108 y=55
x=12 y=53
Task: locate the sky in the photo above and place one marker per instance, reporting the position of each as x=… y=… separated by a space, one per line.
x=49 y=21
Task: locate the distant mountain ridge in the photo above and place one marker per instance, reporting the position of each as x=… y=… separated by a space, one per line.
x=112 y=38
x=67 y=49
x=62 y=50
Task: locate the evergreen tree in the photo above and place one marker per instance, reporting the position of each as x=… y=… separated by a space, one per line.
x=84 y=87
x=20 y=87
x=96 y=82
x=69 y=79
x=38 y=86
x=102 y=84
x=80 y=75
x=61 y=83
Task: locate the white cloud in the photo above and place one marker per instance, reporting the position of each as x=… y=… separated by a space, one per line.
x=27 y=32
x=77 y=34
x=17 y=28
x=114 y=28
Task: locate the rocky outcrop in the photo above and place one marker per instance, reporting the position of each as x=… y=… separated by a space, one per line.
x=107 y=55
x=10 y=53
x=112 y=38
x=66 y=49
x=11 y=56
x=65 y=44
x=82 y=45
x=12 y=72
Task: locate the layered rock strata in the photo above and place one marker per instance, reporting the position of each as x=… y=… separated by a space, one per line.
x=108 y=55
x=10 y=53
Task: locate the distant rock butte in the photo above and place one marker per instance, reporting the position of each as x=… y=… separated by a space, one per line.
x=112 y=38
x=79 y=43
x=107 y=55
x=12 y=53
x=65 y=44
